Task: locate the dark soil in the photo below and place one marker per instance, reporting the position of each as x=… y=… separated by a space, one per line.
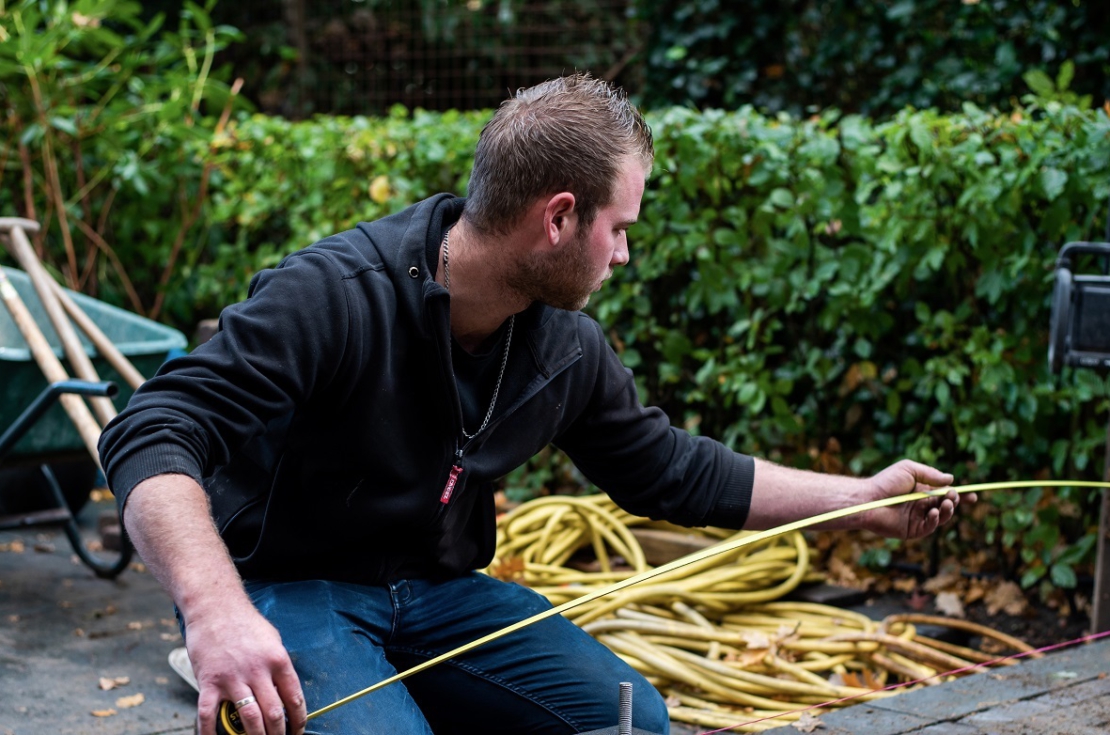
x=1038 y=626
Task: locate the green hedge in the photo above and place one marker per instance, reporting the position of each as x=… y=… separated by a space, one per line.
x=831 y=292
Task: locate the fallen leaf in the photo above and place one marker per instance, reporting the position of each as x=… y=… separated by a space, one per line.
x=786 y=632
x=949 y=604
x=102 y=712
x=15 y=546
x=672 y=701
x=161 y=680
x=1008 y=597
x=906 y=584
x=748 y=658
x=508 y=570
x=108 y=684
x=975 y=592
x=128 y=702
x=135 y=625
x=943 y=581
x=756 y=639
x=808 y=722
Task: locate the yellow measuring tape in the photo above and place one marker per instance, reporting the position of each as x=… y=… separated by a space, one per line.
x=696 y=557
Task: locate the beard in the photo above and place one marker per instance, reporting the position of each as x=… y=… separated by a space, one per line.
x=563 y=280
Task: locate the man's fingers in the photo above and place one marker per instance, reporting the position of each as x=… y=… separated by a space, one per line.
x=946 y=511
x=272 y=712
x=206 y=715
x=923 y=473
x=250 y=715
x=289 y=688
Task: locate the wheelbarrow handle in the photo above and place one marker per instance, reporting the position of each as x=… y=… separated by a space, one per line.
x=45 y=400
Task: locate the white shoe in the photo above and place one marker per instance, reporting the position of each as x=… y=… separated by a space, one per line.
x=179 y=662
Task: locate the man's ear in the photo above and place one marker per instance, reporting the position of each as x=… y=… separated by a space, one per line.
x=560 y=217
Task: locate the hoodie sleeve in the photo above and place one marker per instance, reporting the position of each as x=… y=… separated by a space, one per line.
x=646 y=465
x=272 y=351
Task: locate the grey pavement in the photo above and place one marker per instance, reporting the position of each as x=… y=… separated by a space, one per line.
x=1065 y=693
x=62 y=630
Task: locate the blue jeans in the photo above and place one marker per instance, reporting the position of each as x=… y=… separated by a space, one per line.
x=550 y=677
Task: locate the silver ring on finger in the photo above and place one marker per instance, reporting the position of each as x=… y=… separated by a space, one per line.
x=244 y=702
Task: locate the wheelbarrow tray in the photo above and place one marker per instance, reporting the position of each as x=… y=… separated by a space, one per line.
x=144 y=342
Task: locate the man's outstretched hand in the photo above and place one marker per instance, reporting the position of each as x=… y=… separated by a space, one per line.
x=920 y=517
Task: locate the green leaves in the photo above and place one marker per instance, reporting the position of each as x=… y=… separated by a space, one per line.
x=106 y=120
x=874 y=58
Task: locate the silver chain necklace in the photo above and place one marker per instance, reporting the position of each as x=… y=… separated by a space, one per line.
x=508 y=339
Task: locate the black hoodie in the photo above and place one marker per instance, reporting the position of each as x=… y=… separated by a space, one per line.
x=323 y=419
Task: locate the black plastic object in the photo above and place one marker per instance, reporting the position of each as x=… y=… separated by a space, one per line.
x=1079 y=332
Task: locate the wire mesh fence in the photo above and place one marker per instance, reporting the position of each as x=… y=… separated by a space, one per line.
x=363 y=56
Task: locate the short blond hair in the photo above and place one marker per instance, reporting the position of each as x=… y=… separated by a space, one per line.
x=566 y=134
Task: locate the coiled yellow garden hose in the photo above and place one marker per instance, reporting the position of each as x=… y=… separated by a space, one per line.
x=708 y=635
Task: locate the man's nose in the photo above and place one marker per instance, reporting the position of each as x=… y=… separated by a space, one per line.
x=620 y=254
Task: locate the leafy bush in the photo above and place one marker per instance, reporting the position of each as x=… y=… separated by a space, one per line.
x=105 y=117
x=831 y=293
x=835 y=294
x=869 y=57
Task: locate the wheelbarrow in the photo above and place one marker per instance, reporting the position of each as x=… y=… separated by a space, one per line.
x=44 y=460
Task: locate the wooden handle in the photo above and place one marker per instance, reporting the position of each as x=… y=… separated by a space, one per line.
x=50 y=365
x=44 y=284
x=27 y=225
x=103 y=345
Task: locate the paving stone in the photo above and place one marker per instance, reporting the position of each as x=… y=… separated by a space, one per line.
x=1022 y=710
x=863 y=718
x=971 y=694
x=945 y=728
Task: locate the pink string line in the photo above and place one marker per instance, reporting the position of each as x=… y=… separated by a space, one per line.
x=985 y=664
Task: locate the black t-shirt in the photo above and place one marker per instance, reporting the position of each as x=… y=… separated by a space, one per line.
x=476 y=376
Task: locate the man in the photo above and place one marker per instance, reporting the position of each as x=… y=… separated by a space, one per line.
x=313 y=486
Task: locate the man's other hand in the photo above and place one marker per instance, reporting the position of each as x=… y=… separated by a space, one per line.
x=920 y=517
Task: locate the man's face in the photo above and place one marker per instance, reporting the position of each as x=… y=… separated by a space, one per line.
x=567 y=278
